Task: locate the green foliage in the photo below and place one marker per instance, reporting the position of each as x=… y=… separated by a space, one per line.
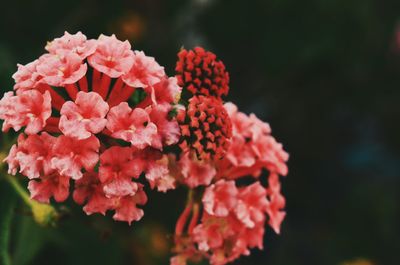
x=7 y=199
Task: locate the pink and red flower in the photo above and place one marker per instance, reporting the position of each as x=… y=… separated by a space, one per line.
x=106 y=122
x=112 y=56
x=132 y=125
x=85 y=116
x=29 y=108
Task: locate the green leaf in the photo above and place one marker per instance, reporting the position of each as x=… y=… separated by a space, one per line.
x=8 y=199
x=30 y=239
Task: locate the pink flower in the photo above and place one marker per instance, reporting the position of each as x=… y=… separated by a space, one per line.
x=71 y=155
x=89 y=189
x=168 y=129
x=33 y=155
x=76 y=43
x=133 y=126
x=271 y=154
x=51 y=162
x=85 y=117
x=276 y=203
x=252 y=204
x=126 y=208
x=178 y=260
x=210 y=235
x=224 y=239
x=144 y=72
x=53 y=185
x=61 y=70
x=29 y=108
x=254 y=236
x=26 y=77
x=195 y=172
x=247 y=126
x=12 y=161
x=220 y=198
x=117 y=168
x=252 y=148
x=112 y=57
x=158 y=174
x=165 y=91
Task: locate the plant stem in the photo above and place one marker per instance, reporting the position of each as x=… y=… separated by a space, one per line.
x=18 y=188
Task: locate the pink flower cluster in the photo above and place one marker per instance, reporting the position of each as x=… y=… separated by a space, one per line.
x=234 y=216
x=102 y=121
x=73 y=105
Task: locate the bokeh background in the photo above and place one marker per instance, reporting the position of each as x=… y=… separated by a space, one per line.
x=324 y=73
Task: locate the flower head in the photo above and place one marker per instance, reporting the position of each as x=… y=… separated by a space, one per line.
x=206 y=127
x=107 y=123
x=92 y=86
x=201 y=73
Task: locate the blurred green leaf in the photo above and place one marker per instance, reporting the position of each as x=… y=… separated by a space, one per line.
x=30 y=239
x=7 y=198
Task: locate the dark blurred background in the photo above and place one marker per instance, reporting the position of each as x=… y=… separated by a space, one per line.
x=324 y=73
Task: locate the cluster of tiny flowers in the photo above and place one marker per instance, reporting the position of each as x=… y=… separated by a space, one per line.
x=205 y=125
x=105 y=122
x=221 y=145
x=201 y=73
x=81 y=126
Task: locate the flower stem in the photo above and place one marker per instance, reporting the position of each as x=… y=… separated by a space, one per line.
x=183 y=218
x=44 y=214
x=18 y=188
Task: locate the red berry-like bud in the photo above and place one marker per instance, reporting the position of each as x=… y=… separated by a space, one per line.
x=199 y=72
x=206 y=127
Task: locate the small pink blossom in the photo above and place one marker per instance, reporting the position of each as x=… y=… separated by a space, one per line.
x=12 y=161
x=53 y=185
x=158 y=174
x=61 y=70
x=33 y=155
x=76 y=43
x=26 y=76
x=178 y=260
x=271 y=154
x=117 y=168
x=254 y=237
x=210 y=235
x=247 y=126
x=133 y=126
x=71 y=155
x=224 y=239
x=144 y=72
x=252 y=148
x=276 y=203
x=29 y=108
x=126 y=209
x=112 y=57
x=252 y=204
x=84 y=117
x=89 y=189
x=195 y=172
x=220 y=198
x=168 y=129
x=165 y=91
